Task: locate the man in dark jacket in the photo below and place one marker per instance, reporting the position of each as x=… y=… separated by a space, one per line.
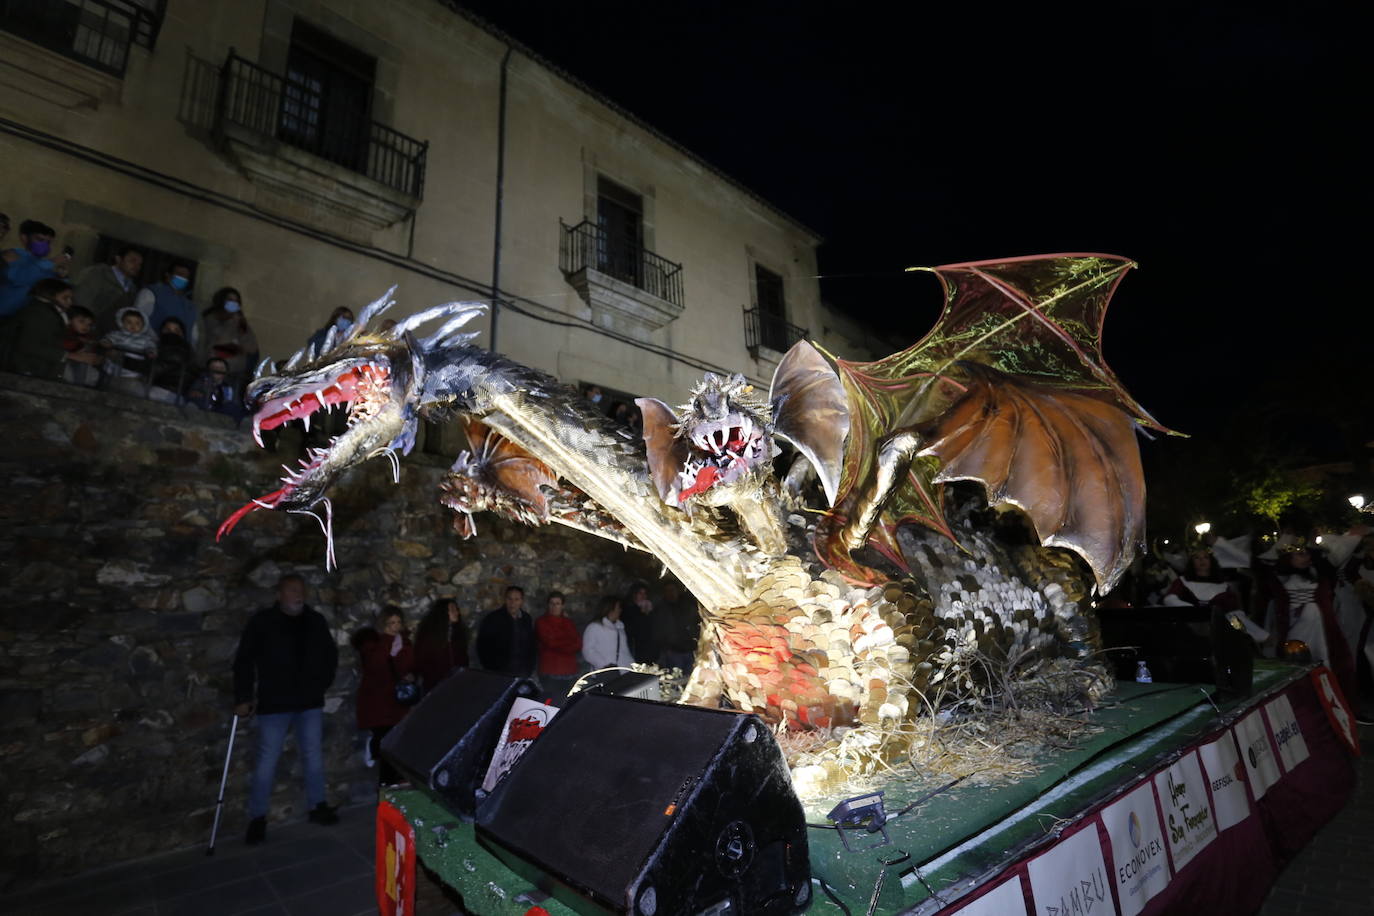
x=286 y=659
x=505 y=638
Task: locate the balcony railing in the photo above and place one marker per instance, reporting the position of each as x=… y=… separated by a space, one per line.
x=265 y=103
x=767 y=330
x=98 y=33
x=587 y=245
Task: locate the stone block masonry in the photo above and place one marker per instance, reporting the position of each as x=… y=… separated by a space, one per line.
x=119 y=614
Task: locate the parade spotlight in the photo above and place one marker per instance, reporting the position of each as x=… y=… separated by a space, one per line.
x=1202 y=528
x=1356 y=501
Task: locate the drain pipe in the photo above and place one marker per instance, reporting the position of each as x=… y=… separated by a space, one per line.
x=500 y=198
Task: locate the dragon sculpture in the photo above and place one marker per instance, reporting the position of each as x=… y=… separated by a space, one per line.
x=1008 y=390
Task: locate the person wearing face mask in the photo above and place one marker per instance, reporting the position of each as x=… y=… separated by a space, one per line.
x=26 y=265
x=285 y=662
x=227 y=335
x=168 y=300
x=341 y=318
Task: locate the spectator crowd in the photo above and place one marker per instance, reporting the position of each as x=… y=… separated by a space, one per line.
x=1300 y=593
x=286 y=661
x=109 y=326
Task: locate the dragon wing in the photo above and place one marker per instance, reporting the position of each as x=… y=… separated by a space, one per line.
x=810 y=410
x=1036 y=319
x=1069 y=461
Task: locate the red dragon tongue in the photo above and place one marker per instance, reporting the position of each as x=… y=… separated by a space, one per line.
x=263 y=502
x=706 y=477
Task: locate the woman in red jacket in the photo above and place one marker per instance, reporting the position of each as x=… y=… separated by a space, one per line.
x=441 y=643
x=386 y=659
x=559 y=644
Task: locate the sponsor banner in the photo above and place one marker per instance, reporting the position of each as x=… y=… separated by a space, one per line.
x=1337 y=709
x=525 y=722
x=1287 y=732
x=1005 y=900
x=1188 y=821
x=1140 y=867
x=1257 y=753
x=395 y=868
x=1226 y=778
x=1071 y=879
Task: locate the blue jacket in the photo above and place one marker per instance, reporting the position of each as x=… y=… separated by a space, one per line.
x=19 y=276
x=168 y=303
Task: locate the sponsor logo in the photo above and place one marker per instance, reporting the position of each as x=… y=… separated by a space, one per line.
x=1289 y=731
x=1135 y=865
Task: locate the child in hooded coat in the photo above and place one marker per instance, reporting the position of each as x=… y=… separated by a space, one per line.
x=130 y=347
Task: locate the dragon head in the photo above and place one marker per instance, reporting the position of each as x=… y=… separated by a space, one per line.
x=721 y=444
x=722 y=438
x=377 y=377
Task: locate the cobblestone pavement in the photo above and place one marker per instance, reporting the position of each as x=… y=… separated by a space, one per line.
x=308 y=870
x=1334 y=875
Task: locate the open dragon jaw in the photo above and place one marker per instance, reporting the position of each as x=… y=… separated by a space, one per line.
x=849 y=579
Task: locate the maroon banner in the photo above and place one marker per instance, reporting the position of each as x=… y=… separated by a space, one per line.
x=1232 y=873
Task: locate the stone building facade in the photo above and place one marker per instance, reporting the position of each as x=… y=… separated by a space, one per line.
x=312 y=153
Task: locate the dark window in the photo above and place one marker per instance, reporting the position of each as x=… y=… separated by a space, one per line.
x=620 y=217
x=155 y=262
x=96 y=32
x=772 y=308
x=327 y=97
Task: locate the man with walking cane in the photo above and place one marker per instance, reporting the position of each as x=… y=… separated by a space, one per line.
x=285 y=662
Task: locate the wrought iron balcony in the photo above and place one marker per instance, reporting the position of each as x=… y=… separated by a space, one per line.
x=587 y=246
x=265 y=103
x=98 y=33
x=762 y=329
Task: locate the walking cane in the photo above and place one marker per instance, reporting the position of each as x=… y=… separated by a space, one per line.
x=223 y=780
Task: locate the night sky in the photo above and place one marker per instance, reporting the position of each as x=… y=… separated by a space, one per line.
x=1215 y=145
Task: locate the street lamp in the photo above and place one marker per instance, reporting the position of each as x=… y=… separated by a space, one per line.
x=1356 y=501
x=1202 y=528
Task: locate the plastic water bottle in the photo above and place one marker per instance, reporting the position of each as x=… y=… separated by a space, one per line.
x=1142 y=674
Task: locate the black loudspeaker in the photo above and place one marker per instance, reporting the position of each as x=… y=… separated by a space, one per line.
x=446 y=742
x=630 y=806
x=1176 y=643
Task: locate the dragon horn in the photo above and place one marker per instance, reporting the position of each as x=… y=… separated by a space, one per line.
x=445 y=335
x=376 y=307
x=313 y=354
x=467 y=310
x=262 y=367
x=458 y=339
x=330 y=339
x=295 y=360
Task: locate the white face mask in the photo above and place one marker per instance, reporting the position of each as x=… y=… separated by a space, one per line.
x=231 y=305
x=596 y=399
x=342 y=323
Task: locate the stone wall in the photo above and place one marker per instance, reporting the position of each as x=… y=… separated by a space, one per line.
x=119 y=614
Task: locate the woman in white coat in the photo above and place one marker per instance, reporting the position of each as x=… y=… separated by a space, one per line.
x=604 y=644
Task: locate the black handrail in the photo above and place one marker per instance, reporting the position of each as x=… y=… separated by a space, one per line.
x=265 y=103
x=97 y=33
x=768 y=330
x=587 y=245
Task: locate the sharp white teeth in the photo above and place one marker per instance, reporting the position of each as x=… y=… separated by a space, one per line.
x=747 y=427
x=257 y=431
x=306 y=420
x=319 y=396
